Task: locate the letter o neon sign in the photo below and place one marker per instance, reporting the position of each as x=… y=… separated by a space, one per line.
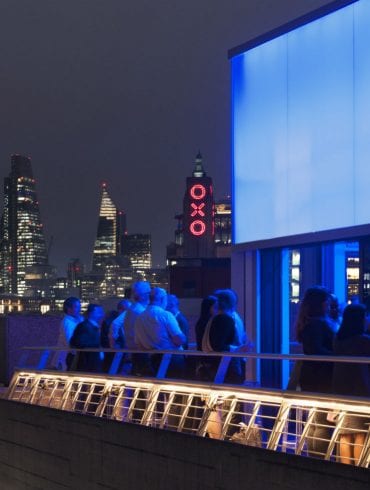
x=197 y=227
x=198 y=191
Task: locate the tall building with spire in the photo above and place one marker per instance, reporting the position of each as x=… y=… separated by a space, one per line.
x=199 y=259
x=22 y=242
x=198 y=213
x=111 y=226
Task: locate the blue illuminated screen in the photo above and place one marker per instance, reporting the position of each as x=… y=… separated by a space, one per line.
x=301 y=129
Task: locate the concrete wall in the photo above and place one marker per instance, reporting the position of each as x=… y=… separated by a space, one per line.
x=17 y=331
x=42 y=448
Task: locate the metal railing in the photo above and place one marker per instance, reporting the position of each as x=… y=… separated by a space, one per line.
x=42 y=358
x=296 y=423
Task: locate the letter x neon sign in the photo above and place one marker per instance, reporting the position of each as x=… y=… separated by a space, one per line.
x=197 y=209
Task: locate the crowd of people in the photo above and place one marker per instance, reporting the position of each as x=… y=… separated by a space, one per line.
x=151 y=320
x=322 y=332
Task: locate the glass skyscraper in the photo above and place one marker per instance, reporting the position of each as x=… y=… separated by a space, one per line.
x=110 y=228
x=22 y=242
x=137 y=249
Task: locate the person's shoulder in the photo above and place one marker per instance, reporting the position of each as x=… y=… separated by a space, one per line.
x=68 y=319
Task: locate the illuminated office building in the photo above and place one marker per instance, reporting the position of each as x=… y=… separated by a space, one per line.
x=223 y=227
x=111 y=226
x=223 y=222
x=137 y=248
x=22 y=242
x=75 y=271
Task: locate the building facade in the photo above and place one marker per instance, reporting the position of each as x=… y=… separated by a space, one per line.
x=137 y=249
x=22 y=241
x=111 y=224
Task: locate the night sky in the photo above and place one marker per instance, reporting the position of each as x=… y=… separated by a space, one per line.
x=126 y=92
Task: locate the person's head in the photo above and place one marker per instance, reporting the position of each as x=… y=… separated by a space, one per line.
x=123 y=305
x=95 y=313
x=354 y=321
x=158 y=297
x=72 y=306
x=226 y=300
x=208 y=304
x=234 y=296
x=334 y=310
x=172 y=304
x=140 y=292
x=315 y=304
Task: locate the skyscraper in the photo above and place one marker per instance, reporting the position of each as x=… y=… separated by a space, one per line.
x=22 y=242
x=111 y=225
x=137 y=249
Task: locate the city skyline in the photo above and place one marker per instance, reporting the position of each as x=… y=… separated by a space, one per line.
x=111 y=225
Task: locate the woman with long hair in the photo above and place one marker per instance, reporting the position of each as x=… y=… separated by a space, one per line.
x=316 y=335
x=207 y=308
x=352 y=379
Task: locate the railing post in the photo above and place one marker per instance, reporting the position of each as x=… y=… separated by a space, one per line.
x=222 y=369
x=115 y=363
x=165 y=362
x=23 y=359
x=43 y=359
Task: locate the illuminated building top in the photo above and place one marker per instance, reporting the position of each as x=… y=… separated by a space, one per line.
x=198 y=168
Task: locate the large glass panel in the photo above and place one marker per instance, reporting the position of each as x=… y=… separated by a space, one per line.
x=301 y=138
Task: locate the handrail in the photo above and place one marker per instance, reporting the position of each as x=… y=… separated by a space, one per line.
x=196 y=353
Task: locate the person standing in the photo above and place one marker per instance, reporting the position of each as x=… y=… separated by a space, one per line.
x=173 y=307
x=352 y=379
x=116 y=333
x=87 y=335
x=157 y=328
x=315 y=334
x=207 y=310
x=140 y=299
x=72 y=317
x=221 y=336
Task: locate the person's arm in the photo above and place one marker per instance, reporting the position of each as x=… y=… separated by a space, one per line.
x=115 y=328
x=68 y=327
x=174 y=331
x=241 y=334
x=184 y=327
